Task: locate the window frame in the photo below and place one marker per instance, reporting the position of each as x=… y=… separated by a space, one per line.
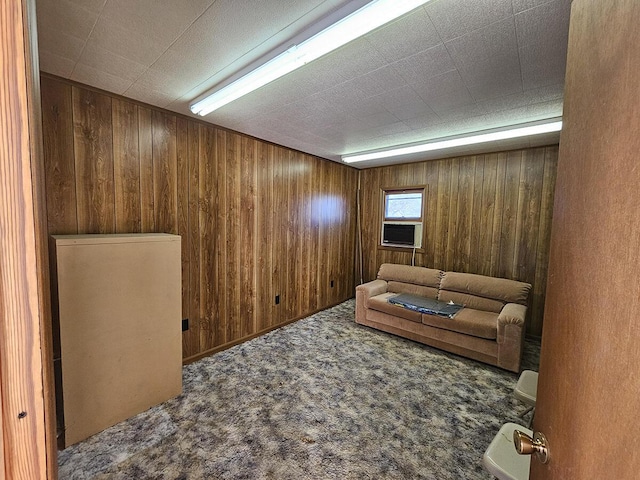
x=384 y=191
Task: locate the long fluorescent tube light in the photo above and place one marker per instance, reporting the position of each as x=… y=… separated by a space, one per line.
x=362 y=21
x=456 y=142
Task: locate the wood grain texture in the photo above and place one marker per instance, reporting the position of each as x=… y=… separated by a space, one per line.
x=487 y=214
x=257 y=220
x=23 y=382
x=126 y=162
x=588 y=385
x=93 y=152
x=59 y=157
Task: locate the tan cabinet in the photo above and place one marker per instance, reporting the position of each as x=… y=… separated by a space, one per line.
x=117 y=299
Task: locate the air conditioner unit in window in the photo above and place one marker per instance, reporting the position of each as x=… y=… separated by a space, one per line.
x=405 y=234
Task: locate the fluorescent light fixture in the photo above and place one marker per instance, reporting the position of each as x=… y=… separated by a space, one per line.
x=371 y=16
x=555 y=126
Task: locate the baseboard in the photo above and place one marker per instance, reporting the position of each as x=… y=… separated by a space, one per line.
x=220 y=348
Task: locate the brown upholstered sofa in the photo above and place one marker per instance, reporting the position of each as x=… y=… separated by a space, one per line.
x=490 y=328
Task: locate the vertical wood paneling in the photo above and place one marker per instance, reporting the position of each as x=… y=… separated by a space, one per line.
x=126 y=165
x=182 y=157
x=279 y=241
x=487 y=214
x=209 y=304
x=93 y=161
x=57 y=116
x=145 y=145
x=248 y=254
x=191 y=338
x=263 y=236
x=508 y=231
x=232 y=278
x=256 y=220
x=165 y=175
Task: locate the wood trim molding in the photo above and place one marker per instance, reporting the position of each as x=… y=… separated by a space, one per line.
x=27 y=448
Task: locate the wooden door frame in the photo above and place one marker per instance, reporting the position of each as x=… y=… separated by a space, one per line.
x=587 y=398
x=27 y=424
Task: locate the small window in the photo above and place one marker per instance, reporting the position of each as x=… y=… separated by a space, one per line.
x=402 y=218
x=403 y=205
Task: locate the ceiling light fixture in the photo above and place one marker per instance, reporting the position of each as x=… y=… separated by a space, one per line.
x=538 y=129
x=371 y=16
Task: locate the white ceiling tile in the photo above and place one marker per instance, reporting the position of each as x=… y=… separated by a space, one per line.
x=65 y=17
x=404 y=95
x=494 y=40
x=366 y=107
x=521 y=99
x=54 y=64
x=444 y=92
x=495 y=77
x=521 y=5
x=232 y=34
x=423 y=121
x=404 y=37
x=545 y=94
x=399 y=84
x=355 y=59
x=454 y=18
x=316 y=77
x=160 y=81
x=97 y=57
x=546 y=23
x=134 y=45
x=466 y=111
x=91 y=5
x=63 y=45
x=379 y=81
x=412 y=110
x=343 y=96
x=99 y=79
x=543 y=64
x=404 y=103
x=147 y=95
x=161 y=20
x=377 y=120
x=426 y=64
x=544 y=110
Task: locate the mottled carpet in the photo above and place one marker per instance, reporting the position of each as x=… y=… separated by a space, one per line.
x=322 y=398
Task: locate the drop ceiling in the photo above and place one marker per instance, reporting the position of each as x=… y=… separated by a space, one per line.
x=447 y=68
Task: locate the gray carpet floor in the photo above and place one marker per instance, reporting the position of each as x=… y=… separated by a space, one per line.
x=322 y=398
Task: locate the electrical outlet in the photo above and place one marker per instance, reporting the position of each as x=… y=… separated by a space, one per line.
x=277 y=299
x=185 y=324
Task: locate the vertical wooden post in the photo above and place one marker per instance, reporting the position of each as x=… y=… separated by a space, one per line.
x=28 y=446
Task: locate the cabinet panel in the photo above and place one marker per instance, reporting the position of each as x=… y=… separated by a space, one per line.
x=119 y=306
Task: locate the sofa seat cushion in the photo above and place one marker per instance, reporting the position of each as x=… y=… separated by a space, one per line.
x=477 y=323
x=381 y=304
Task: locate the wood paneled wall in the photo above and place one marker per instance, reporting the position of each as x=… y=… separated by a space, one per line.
x=256 y=220
x=486 y=214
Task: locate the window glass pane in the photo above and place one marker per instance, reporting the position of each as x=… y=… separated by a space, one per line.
x=403 y=205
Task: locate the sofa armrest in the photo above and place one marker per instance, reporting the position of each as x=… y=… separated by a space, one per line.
x=373 y=288
x=365 y=292
x=512 y=314
x=511 y=329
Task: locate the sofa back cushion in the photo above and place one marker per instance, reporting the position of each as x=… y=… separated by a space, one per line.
x=428 y=277
x=471 y=301
x=401 y=287
x=481 y=292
